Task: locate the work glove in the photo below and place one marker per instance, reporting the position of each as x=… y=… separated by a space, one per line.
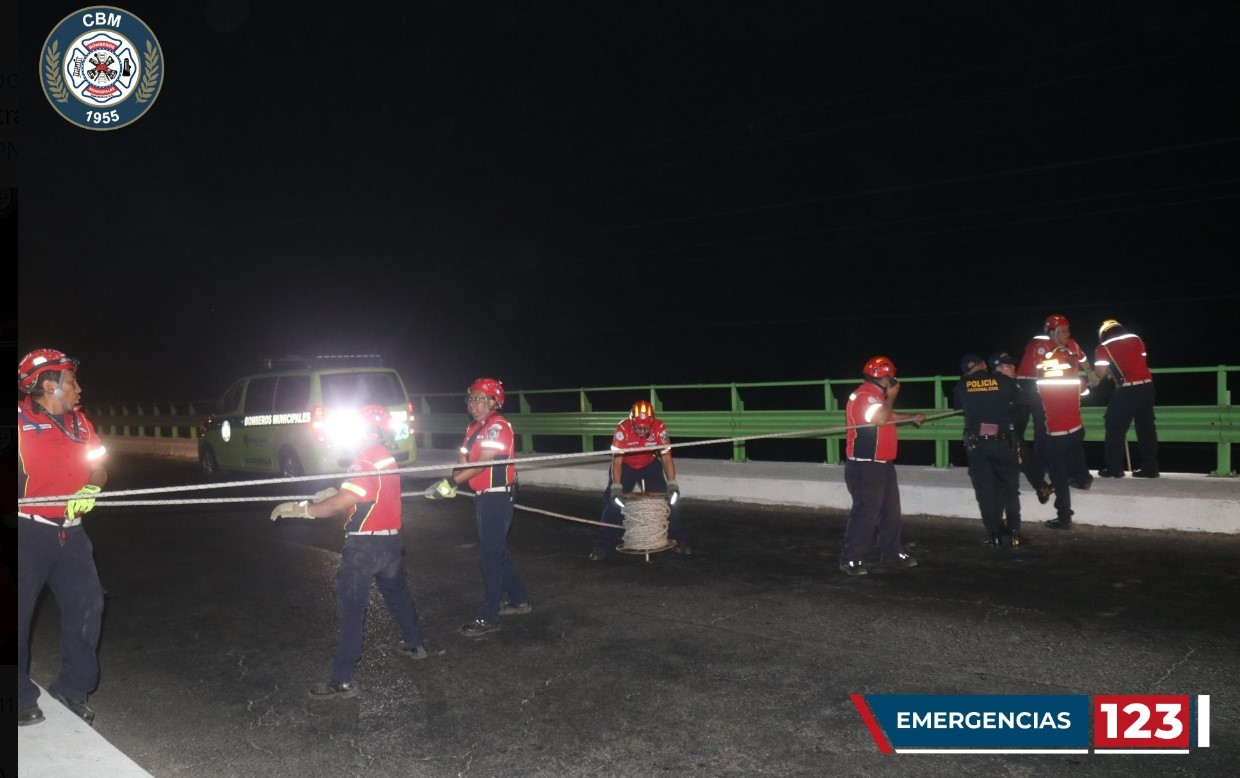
x=443 y=490
x=324 y=494
x=617 y=495
x=82 y=504
x=673 y=492
x=291 y=510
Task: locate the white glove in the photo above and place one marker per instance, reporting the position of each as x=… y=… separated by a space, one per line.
x=443 y=490
x=617 y=495
x=291 y=510
x=673 y=492
x=324 y=494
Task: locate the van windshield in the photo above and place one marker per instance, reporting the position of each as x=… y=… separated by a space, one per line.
x=352 y=390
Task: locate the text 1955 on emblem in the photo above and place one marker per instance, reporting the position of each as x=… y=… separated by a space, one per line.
x=101 y=68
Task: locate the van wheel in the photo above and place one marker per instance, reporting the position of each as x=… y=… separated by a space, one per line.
x=207 y=461
x=290 y=465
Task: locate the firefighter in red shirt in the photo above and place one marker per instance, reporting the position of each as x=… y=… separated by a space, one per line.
x=373 y=551
x=59 y=453
x=1121 y=358
x=1060 y=388
x=489 y=450
x=870 y=472
x=651 y=470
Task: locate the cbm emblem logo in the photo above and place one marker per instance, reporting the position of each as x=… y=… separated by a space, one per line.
x=102 y=68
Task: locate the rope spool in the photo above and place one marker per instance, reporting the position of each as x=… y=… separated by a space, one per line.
x=645 y=524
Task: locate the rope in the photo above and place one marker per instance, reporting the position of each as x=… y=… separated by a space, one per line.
x=645 y=522
x=110 y=498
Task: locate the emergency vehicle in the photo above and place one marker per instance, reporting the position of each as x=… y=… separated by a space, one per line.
x=300 y=417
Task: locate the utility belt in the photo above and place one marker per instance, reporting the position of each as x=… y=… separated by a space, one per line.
x=377 y=532
x=510 y=488
x=1137 y=383
x=876 y=461
x=971 y=439
x=67 y=523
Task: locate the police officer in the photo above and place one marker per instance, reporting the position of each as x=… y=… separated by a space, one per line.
x=59 y=453
x=986 y=400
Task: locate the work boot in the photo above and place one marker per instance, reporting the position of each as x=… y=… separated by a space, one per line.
x=1059 y=524
x=508 y=609
x=855 y=567
x=477 y=628
x=900 y=560
x=1143 y=473
x=332 y=690
x=1018 y=541
x=1104 y=473
x=28 y=716
x=79 y=708
x=412 y=652
x=994 y=540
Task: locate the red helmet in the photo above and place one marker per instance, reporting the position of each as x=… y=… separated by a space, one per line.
x=376 y=416
x=1054 y=322
x=491 y=387
x=642 y=413
x=39 y=361
x=878 y=367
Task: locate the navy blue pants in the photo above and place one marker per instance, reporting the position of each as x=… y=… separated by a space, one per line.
x=493 y=513
x=1065 y=455
x=875 y=509
x=1131 y=404
x=68 y=569
x=651 y=479
x=364 y=559
x=995 y=476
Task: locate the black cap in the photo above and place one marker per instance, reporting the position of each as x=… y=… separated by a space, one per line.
x=968 y=362
x=1000 y=358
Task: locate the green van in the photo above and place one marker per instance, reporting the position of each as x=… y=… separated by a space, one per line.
x=300 y=417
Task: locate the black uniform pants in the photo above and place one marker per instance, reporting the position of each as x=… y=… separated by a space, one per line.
x=995 y=475
x=1032 y=457
x=1129 y=404
x=1065 y=455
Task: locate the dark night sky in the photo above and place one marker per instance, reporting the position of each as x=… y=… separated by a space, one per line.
x=630 y=193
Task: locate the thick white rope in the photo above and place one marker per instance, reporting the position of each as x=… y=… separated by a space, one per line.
x=110 y=498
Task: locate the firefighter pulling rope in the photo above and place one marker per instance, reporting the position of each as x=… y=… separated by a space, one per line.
x=104 y=499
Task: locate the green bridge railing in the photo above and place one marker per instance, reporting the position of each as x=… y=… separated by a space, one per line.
x=562 y=419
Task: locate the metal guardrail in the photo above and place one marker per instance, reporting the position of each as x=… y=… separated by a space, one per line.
x=735 y=410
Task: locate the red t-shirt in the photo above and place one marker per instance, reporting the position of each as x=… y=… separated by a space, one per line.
x=378 y=492
x=1060 y=387
x=1037 y=349
x=493 y=433
x=1127 y=355
x=50 y=462
x=873 y=443
x=627 y=438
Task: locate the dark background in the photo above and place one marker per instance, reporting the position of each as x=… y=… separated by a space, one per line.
x=633 y=193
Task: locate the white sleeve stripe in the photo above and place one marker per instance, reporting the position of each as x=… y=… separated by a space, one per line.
x=352 y=487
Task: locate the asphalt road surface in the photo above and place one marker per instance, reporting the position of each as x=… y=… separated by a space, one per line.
x=736 y=661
